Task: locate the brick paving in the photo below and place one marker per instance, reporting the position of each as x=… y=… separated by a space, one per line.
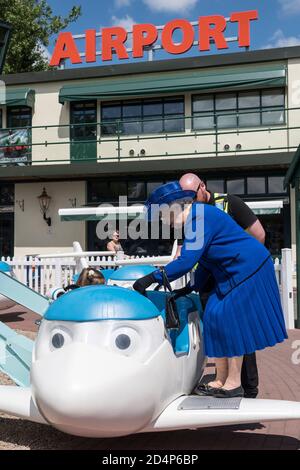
x=279 y=379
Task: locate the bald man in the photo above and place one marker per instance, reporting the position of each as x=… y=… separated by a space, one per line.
x=243 y=216
x=230 y=203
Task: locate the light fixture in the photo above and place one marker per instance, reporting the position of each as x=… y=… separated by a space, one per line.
x=131 y=152
x=21 y=204
x=45 y=201
x=143 y=152
x=238 y=147
x=73 y=202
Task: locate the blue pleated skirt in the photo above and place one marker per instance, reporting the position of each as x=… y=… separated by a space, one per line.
x=247 y=319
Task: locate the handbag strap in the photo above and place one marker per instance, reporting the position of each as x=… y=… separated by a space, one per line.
x=166 y=282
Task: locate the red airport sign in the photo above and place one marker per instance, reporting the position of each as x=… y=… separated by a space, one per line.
x=210 y=29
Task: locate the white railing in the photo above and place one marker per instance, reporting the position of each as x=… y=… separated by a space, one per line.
x=44 y=274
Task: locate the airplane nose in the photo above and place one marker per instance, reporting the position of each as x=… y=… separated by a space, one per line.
x=87 y=391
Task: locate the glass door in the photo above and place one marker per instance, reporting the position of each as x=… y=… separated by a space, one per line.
x=84 y=133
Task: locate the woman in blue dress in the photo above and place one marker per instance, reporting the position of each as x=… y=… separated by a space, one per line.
x=244 y=312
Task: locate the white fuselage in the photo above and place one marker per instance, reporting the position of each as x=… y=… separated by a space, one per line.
x=94 y=385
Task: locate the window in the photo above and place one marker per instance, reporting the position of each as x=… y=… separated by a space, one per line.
x=226 y=105
x=273 y=105
x=136 y=190
x=17 y=137
x=7 y=194
x=98 y=191
x=152 y=185
x=242 y=109
x=249 y=102
x=117 y=189
x=236 y=186
x=215 y=186
x=148 y=116
x=83 y=113
x=256 y=185
x=276 y=184
x=203 y=112
x=19 y=117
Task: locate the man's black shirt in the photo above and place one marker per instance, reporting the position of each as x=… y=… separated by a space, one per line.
x=238 y=210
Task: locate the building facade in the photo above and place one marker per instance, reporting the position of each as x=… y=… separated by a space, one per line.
x=89 y=135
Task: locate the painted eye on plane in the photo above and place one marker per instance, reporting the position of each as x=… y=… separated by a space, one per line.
x=59 y=338
x=123 y=342
x=126 y=341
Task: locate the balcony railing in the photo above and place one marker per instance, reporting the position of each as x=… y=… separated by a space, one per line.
x=86 y=142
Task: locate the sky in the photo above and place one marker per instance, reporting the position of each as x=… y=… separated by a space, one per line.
x=278 y=24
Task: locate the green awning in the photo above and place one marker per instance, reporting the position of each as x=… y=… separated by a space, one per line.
x=19 y=97
x=235 y=78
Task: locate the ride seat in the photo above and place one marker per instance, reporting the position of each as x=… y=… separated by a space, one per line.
x=185 y=305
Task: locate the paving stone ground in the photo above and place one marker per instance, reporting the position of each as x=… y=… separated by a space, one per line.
x=279 y=377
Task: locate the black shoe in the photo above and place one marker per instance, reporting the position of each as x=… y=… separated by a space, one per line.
x=234 y=393
x=205 y=390
x=250 y=392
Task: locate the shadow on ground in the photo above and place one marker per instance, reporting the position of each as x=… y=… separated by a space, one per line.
x=19 y=434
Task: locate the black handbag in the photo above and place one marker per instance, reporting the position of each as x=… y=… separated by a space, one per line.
x=172 y=316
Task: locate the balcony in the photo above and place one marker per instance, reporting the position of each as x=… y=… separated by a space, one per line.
x=89 y=142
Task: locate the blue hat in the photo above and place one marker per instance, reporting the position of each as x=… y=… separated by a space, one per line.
x=166 y=194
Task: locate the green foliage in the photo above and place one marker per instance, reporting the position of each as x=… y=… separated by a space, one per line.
x=33 y=24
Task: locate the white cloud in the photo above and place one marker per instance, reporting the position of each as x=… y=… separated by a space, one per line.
x=290 y=7
x=126 y=22
x=170 y=5
x=122 y=3
x=280 y=40
x=45 y=52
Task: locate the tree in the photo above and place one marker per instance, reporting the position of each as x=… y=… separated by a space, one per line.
x=33 y=25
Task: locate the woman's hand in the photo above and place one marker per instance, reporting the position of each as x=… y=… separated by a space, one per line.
x=182 y=292
x=141 y=284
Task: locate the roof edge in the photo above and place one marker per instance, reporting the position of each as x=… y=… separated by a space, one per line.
x=215 y=60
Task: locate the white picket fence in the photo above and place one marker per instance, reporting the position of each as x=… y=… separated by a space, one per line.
x=42 y=275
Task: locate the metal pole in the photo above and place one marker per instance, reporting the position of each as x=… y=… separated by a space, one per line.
x=297 y=219
x=119 y=142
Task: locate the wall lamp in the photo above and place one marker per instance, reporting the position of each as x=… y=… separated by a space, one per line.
x=73 y=202
x=45 y=201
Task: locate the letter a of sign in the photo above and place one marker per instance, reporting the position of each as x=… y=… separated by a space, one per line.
x=65 y=48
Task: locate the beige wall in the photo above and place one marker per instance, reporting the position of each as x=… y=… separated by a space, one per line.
x=294 y=101
x=48 y=111
x=32 y=234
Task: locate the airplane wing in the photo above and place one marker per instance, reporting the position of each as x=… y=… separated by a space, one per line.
x=15 y=355
x=18 y=401
x=193 y=412
x=22 y=295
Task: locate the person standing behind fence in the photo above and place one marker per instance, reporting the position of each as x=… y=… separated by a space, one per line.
x=114 y=244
